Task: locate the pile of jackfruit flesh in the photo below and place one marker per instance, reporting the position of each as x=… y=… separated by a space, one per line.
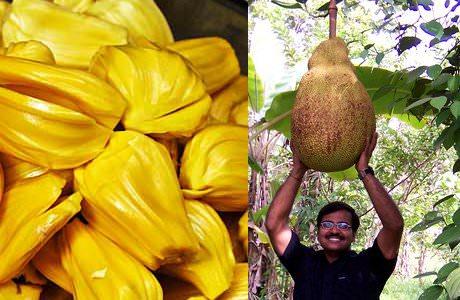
x=123 y=156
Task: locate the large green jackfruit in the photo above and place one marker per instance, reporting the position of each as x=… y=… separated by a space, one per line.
x=135 y=204
x=214 y=59
x=214 y=167
x=52 y=116
x=165 y=96
x=211 y=270
x=24 y=231
x=333 y=115
x=13 y=291
x=142 y=18
x=94 y=267
x=72 y=37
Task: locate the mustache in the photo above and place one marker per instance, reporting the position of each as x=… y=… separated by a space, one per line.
x=339 y=236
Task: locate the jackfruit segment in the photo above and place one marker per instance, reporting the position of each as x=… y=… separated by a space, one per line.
x=31 y=275
x=2 y=180
x=4 y=6
x=24 y=231
x=78 y=6
x=211 y=270
x=239 y=114
x=213 y=57
x=140 y=17
x=166 y=98
x=72 y=89
x=94 y=267
x=227 y=99
x=13 y=291
x=231 y=220
x=32 y=50
x=72 y=37
x=243 y=231
x=133 y=204
x=214 y=167
x=239 y=288
x=173 y=149
x=16 y=169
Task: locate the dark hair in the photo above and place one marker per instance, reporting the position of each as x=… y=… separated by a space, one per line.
x=336 y=206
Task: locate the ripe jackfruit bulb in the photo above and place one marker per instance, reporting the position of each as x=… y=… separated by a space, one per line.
x=333 y=115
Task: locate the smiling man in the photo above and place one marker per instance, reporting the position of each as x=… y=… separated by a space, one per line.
x=337 y=272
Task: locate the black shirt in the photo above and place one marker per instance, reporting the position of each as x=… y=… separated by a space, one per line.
x=352 y=276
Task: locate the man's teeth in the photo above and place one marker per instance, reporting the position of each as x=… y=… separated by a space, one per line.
x=335 y=239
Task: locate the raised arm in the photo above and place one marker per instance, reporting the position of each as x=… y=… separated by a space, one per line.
x=389 y=236
x=277 y=222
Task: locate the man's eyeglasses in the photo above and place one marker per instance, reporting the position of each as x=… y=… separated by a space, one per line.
x=330 y=225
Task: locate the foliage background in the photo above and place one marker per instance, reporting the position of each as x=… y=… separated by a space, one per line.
x=406 y=53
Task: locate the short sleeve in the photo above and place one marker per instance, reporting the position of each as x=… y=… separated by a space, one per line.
x=380 y=266
x=295 y=255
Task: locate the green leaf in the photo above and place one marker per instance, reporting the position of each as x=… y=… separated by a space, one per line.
x=456 y=217
x=453 y=83
x=425 y=274
x=434 y=71
x=420 y=102
x=374 y=78
x=259 y=215
x=453 y=284
x=430 y=219
x=455 y=109
x=443 y=200
x=364 y=54
x=438 y=102
x=348 y=174
x=431 y=293
x=255 y=87
x=441 y=138
x=449 y=234
x=263 y=237
x=444 y=272
x=379 y=58
x=440 y=80
x=406 y=43
x=415 y=73
x=382 y=91
x=368 y=46
x=442 y=116
x=255 y=165
x=410 y=120
x=288 y=5
x=281 y=106
x=433 y=28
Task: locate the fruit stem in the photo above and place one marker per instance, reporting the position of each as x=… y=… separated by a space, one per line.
x=332 y=18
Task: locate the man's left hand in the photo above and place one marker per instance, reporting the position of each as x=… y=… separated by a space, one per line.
x=363 y=161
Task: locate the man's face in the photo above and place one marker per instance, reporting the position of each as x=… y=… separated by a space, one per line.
x=335 y=239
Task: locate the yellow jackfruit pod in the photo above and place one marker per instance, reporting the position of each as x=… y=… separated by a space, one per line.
x=140 y=17
x=30 y=275
x=135 y=204
x=166 y=98
x=231 y=220
x=52 y=116
x=214 y=167
x=227 y=99
x=243 y=231
x=213 y=57
x=16 y=169
x=72 y=37
x=211 y=270
x=4 y=6
x=2 y=181
x=239 y=287
x=78 y=6
x=24 y=231
x=239 y=114
x=95 y=267
x=32 y=50
x=13 y=291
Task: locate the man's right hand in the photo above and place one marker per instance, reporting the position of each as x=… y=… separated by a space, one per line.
x=298 y=167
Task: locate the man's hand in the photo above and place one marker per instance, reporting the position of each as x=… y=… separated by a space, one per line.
x=363 y=161
x=298 y=167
